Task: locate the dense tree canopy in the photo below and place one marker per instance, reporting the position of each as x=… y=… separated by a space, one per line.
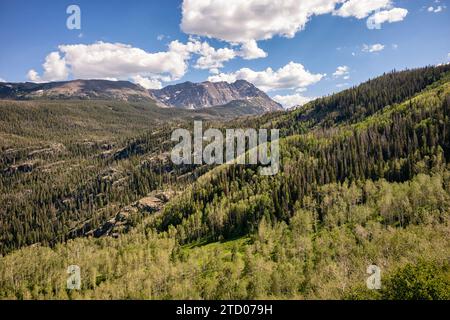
x=364 y=179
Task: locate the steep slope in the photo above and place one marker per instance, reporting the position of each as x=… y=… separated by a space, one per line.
x=31 y=150
x=395 y=144
x=360 y=191
x=355 y=104
x=190 y=95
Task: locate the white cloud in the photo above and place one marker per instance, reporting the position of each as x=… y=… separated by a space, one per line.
x=341 y=85
x=250 y=50
x=436 y=9
x=240 y=21
x=393 y=15
x=382 y=11
x=33 y=76
x=55 y=69
x=214 y=59
x=210 y=58
x=289 y=101
x=341 y=71
x=109 y=60
x=120 y=61
x=361 y=8
x=245 y=22
x=147 y=83
x=373 y=48
x=229 y=77
x=291 y=76
x=2 y=80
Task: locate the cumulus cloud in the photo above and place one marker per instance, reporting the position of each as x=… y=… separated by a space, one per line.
x=245 y=22
x=342 y=71
x=103 y=60
x=213 y=59
x=240 y=21
x=393 y=15
x=361 y=8
x=116 y=60
x=289 y=101
x=436 y=9
x=147 y=83
x=250 y=50
x=33 y=76
x=373 y=48
x=210 y=58
x=109 y=60
x=55 y=69
x=291 y=76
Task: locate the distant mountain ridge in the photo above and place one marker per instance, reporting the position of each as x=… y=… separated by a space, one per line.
x=76 y=89
x=189 y=95
x=185 y=95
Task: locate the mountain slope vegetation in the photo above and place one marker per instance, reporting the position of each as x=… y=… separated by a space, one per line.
x=364 y=179
x=65 y=164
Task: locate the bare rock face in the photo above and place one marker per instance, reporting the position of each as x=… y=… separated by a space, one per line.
x=190 y=95
x=187 y=95
x=121 y=222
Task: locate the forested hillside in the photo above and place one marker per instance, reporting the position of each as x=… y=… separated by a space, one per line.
x=364 y=179
x=66 y=167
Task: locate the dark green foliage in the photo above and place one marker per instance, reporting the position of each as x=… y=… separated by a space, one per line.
x=396 y=145
x=421 y=281
x=364 y=178
x=67 y=167
x=355 y=104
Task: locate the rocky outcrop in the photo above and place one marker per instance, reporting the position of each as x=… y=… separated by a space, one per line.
x=122 y=221
x=189 y=95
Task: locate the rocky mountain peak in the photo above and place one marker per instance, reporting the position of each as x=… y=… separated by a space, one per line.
x=189 y=95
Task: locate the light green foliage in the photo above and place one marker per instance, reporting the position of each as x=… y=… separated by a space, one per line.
x=364 y=179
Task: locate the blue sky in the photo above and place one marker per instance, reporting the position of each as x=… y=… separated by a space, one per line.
x=312 y=50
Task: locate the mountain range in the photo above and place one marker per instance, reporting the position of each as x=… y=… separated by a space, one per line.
x=186 y=95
